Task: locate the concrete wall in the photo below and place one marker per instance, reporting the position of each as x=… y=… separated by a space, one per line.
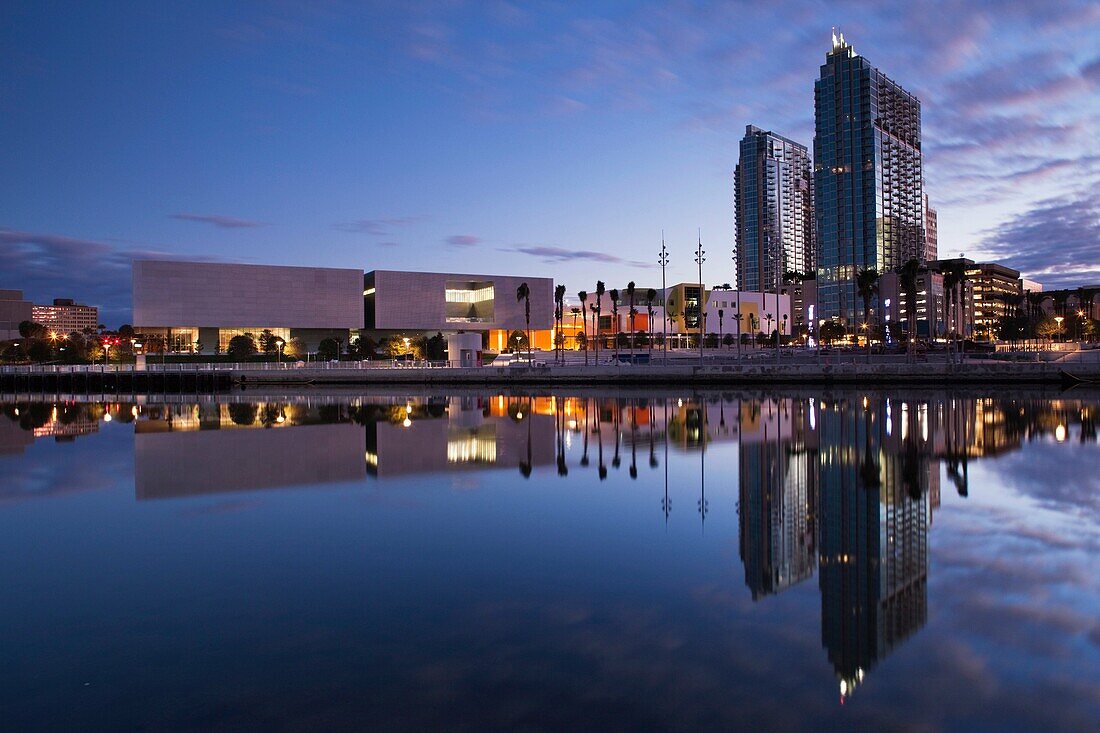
x=416 y=301
x=171 y=294
x=13 y=311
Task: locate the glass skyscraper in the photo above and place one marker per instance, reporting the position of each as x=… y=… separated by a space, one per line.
x=868 y=182
x=774 y=201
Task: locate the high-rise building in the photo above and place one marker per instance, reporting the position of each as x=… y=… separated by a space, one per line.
x=868 y=183
x=13 y=311
x=773 y=191
x=931 y=233
x=66 y=316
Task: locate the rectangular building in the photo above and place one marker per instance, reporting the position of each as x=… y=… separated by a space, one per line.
x=202 y=305
x=66 y=316
x=13 y=311
x=773 y=192
x=868 y=178
x=412 y=303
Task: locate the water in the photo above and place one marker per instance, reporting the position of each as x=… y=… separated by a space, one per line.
x=826 y=560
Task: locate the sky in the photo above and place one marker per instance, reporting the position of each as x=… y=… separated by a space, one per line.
x=541 y=138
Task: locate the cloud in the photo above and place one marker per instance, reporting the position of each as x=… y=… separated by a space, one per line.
x=462 y=240
x=377 y=227
x=47 y=266
x=1054 y=242
x=561 y=254
x=224 y=222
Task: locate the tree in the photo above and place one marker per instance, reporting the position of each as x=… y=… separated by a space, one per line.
x=633 y=312
x=329 y=348
x=523 y=294
x=867 y=287
x=269 y=342
x=615 y=330
x=1046 y=327
x=516 y=341
x=39 y=350
x=600 y=289
x=435 y=348
x=721 y=324
x=295 y=349
x=559 y=314
x=583 y=297
x=650 y=296
x=126 y=331
x=31 y=330
x=242 y=345
x=907 y=277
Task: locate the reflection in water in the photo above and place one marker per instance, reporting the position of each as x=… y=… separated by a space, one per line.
x=843 y=484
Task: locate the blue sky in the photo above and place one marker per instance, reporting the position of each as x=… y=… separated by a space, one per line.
x=516 y=138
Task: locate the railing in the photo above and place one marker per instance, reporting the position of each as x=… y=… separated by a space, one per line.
x=217 y=367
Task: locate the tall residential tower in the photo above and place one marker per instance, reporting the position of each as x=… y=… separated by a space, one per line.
x=774 y=201
x=868 y=190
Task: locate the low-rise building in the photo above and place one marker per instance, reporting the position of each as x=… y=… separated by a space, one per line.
x=13 y=311
x=201 y=306
x=66 y=316
x=408 y=304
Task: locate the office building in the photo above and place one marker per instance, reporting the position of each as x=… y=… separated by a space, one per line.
x=13 y=311
x=868 y=190
x=65 y=317
x=774 y=205
x=931 y=233
x=201 y=306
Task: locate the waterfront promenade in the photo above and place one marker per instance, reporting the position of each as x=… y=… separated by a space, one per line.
x=682 y=368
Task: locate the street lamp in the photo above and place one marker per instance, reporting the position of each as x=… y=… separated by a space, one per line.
x=1077 y=328
x=1058 y=320
x=279 y=344
x=663 y=262
x=700 y=259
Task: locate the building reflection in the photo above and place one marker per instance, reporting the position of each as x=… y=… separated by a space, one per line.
x=190 y=450
x=429 y=435
x=844 y=485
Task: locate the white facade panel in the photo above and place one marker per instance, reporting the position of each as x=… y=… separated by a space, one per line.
x=418 y=301
x=208 y=294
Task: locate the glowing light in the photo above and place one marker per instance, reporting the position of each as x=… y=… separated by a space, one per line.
x=1060 y=433
x=134 y=411
x=107 y=417
x=572 y=424
x=407 y=422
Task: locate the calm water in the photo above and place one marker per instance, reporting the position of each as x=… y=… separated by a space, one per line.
x=611 y=561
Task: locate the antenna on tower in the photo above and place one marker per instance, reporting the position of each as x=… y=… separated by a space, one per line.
x=835 y=44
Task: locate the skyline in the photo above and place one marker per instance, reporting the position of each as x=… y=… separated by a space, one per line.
x=546 y=138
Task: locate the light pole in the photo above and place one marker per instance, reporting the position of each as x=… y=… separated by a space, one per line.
x=663 y=262
x=1077 y=325
x=699 y=260
x=1058 y=320
x=279 y=344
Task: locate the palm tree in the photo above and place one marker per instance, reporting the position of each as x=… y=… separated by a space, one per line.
x=583 y=297
x=737 y=317
x=523 y=293
x=650 y=296
x=867 y=287
x=599 y=297
x=754 y=326
x=559 y=298
x=721 y=328
x=950 y=284
x=633 y=311
x=907 y=276
x=615 y=320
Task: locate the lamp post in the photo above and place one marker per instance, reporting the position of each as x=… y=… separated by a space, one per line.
x=1077 y=325
x=662 y=260
x=279 y=344
x=699 y=260
x=106 y=353
x=1058 y=320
